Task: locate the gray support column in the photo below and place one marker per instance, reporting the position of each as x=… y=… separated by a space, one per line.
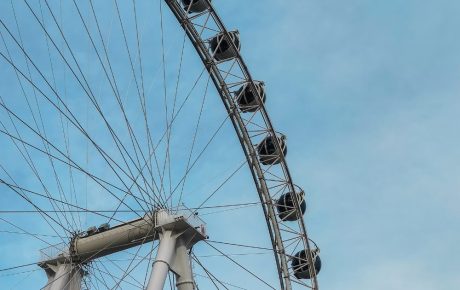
x=63 y=277
x=75 y=279
x=60 y=278
x=183 y=267
x=161 y=266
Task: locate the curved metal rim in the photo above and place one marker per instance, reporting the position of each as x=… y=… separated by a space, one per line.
x=244 y=137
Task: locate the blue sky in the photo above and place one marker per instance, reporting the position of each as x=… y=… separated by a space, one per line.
x=368 y=95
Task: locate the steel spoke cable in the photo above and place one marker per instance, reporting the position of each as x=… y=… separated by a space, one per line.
x=95 y=266
x=164 y=96
x=27 y=157
x=140 y=94
x=44 y=196
x=115 y=90
x=17 y=267
x=209 y=274
x=237 y=205
x=193 y=141
x=222 y=184
x=240 y=245
x=114 y=278
x=117 y=96
x=19 y=273
x=128 y=271
x=22 y=280
x=39 y=209
x=177 y=114
x=48 y=194
x=128 y=52
x=40 y=117
x=38 y=237
x=100 y=182
x=113 y=262
x=73 y=120
x=198 y=157
x=143 y=101
x=97 y=180
x=34 y=234
x=239 y=265
x=89 y=92
x=174 y=108
x=61 y=120
x=231 y=209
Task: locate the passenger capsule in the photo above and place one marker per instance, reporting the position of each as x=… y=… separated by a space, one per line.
x=247 y=100
x=268 y=153
x=300 y=264
x=221 y=47
x=286 y=207
x=195 y=6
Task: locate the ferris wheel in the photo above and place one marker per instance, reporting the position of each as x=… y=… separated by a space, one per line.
x=119 y=165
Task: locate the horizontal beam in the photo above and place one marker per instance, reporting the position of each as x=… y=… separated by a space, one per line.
x=84 y=248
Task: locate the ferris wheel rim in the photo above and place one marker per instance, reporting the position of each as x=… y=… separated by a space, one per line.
x=251 y=152
x=246 y=142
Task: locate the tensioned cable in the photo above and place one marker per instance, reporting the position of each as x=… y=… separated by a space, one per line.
x=44 y=196
x=16 y=267
x=61 y=120
x=29 y=160
x=75 y=123
x=23 y=196
x=209 y=274
x=194 y=140
x=89 y=94
x=144 y=104
x=239 y=265
x=128 y=271
x=237 y=205
x=199 y=156
x=116 y=92
x=223 y=183
x=96 y=179
x=32 y=166
x=164 y=93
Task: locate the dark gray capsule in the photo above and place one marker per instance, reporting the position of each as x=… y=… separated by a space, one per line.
x=221 y=46
x=195 y=6
x=286 y=206
x=248 y=101
x=300 y=264
x=268 y=152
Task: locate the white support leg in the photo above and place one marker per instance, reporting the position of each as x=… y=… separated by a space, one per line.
x=161 y=266
x=75 y=279
x=63 y=277
x=183 y=267
x=60 y=278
